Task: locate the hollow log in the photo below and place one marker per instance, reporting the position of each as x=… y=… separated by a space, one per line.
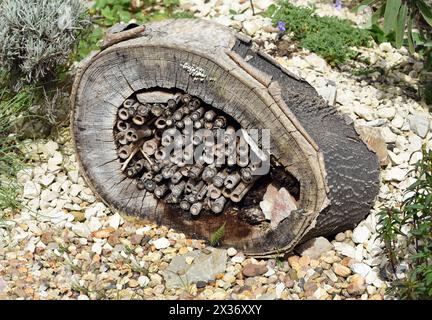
x=311 y=143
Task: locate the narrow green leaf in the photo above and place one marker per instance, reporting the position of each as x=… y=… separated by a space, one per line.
x=390 y=15
x=400 y=25
x=410 y=38
x=425 y=11
x=217 y=235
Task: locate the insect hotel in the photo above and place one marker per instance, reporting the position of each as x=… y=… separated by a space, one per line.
x=183 y=123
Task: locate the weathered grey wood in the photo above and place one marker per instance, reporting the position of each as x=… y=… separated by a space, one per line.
x=310 y=139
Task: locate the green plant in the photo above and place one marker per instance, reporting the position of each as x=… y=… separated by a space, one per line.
x=38 y=37
x=415 y=216
x=329 y=37
x=106 y=13
x=13 y=107
x=217 y=235
x=405 y=23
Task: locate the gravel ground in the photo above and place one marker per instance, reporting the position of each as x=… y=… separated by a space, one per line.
x=66 y=244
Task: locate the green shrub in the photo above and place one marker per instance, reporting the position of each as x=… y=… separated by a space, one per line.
x=409 y=24
x=414 y=215
x=38 y=36
x=106 y=13
x=329 y=37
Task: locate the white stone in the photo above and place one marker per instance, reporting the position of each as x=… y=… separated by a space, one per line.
x=387 y=113
x=345 y=249
x=360 y=234
x=50 y=148
x=361 y=269
x=395 y=174
x=143 y=281
x=419 y=123
x=48 y=195
x=315 y=247
x=364 y=112
x=75 y=189
x=250 y=27
x=83 y=297
x=386 y=47
x=398 y=121
x=415 y=157
x=115 y=220
x=94 y=224
x=31 y=190
x=161 y=243
x=316 y=62
x=388 y=135
x=143 y=230
x=238 y=258
x=73 y=176
x=414 y=143
x=371 y=277
x=280 y=287
x=398 y=159
x=270 y=272
x=231 y=252
x=97 y=248
x=55 y=161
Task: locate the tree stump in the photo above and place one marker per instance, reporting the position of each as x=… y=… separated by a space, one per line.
x=316 y=155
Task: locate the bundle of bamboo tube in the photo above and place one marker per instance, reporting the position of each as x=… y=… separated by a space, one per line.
x=183 y=151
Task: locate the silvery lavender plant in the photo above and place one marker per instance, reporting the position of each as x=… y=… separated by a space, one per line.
x=37 y=36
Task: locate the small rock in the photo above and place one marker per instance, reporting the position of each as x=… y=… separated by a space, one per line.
x=419 y=123
x=314 y=248
x=395 y=174
x=250 y=27
x=280 y=287
x=238 y=258
x=55 y=161
x=115 y=221
x=361 y=269
x=289 y=283
x=253 y=270
x=360 y=234
x=231 y=252
x=356 y=285
x=316 y=62
x=364 y=112
x=201 y=284
x=135 y=239
x=132 y=283
x=31 y=190
x=46 y=180
x=96 y=248
x=78 y=215
x=81 y=230
x=161 y=243
x=387 y=113
x=50 y=148
x=309 y=288
x=47 y=237
x=388 y=135
x=102 y=233
x=340 y=237
x=345 y=249
x=341 y=270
